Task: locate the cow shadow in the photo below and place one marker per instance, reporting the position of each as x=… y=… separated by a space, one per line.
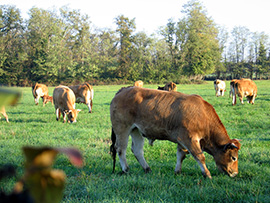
x=30 y=120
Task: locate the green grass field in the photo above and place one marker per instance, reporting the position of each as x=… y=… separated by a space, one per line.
x=37 y=126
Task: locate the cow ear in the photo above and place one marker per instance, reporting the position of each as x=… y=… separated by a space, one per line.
x=229 y=146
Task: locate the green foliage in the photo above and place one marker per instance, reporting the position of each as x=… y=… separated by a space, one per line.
x=36 y=126
x=63 y=46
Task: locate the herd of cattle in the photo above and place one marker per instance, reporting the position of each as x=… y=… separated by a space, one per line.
x=187 y=120
x=64 y=99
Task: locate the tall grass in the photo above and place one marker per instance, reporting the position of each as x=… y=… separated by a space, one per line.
x=37 y=125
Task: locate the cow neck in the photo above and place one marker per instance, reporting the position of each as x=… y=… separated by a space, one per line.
x=218 y=135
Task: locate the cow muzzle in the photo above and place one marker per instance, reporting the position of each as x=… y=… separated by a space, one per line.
x=230 y=173
x=233 y=174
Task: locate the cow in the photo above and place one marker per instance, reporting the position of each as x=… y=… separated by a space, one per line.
x=64 y=103
x=187 y=120
x=170 y=86
x=220 y=87
x=39 y=91
x=138 y=83
x=3 y=112
x=46 y=99
x=243 y=88
x=84 y=94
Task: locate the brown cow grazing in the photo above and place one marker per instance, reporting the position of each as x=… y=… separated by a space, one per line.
x=187 y=120
x=39 y=91
x=47 y=99
x=170 y=86
x=64 y=102
x=84 y=94
x=243 y=88
x=220 y=87
x=3 y=112
x=138 y=83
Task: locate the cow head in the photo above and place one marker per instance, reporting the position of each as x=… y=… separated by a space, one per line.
x=227 y=158
x=72 y=115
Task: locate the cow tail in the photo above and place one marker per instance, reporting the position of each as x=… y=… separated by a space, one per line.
x=112 y=149
x=34 y=89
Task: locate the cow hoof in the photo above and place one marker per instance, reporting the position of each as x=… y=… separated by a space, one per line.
x=177 y=173
x=148 y=170
x=57 y=119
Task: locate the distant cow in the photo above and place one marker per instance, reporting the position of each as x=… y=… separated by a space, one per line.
x=39 y=91
x=187 y=120
x=243 y=88
x=138 y=83
x=84 y=94
x=3 y=112
x=220 y=87
x=170 y=86
x=47 y=99
x=64 y=103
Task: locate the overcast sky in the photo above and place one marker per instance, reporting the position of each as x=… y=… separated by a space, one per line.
x=151 y=14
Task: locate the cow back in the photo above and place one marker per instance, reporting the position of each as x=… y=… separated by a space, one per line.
x=167 y=111
x=64 y=97
x=43 y=88
x=246 y=85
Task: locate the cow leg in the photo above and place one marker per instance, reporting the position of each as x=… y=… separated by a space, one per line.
x=137 y=149
x=64 y=115
x=253 y=99
x=6 y=116
x=89 y=106
x=181 y=155
x=233 y=93
x=44 y=101
x=241 y=100
x=37 y=99
x=58 y=113
x=121 y=147
x=198 y=155
x=222 y=93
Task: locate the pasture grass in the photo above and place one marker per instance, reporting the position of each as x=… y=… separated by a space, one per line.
x=37 y=126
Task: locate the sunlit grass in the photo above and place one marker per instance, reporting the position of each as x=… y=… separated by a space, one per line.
x=37 y=125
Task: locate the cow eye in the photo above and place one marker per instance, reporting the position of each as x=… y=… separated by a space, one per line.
x=234 y=158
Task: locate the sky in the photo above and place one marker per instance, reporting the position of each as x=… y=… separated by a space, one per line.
x=151 y=14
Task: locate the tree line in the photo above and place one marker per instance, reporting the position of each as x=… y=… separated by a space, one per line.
x=63 y=46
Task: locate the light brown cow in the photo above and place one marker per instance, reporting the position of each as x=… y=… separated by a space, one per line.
x=138 y=83
x=170 y=86
x=3 y=112
x=243 y=88
x=47 y=99
x=64 y=102
x=84 y=94
x=187 y=120
x=220 y=87
x=39 y=91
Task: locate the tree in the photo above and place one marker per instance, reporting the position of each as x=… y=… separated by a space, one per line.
x=42 y=39
x=170 y=35
x=125 y=28
x=12 y=46
x=262 y=63
x=200 y=52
